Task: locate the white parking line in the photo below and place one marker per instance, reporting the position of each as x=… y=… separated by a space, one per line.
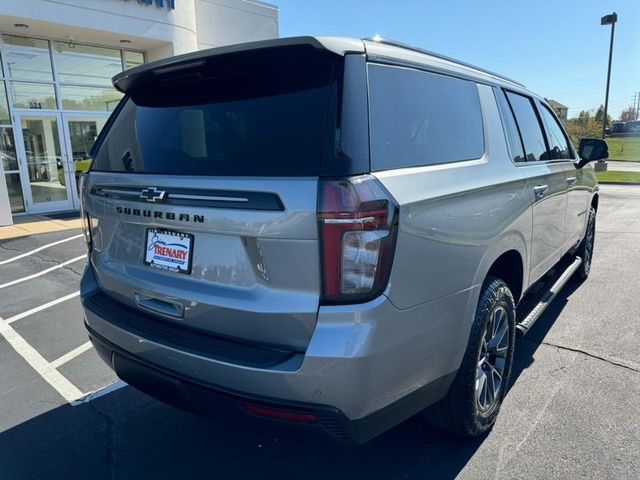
x=99 y=393
x=67 y=357
x=43 y=272
x=54 y=378
x=42 y=307
x=18 y=257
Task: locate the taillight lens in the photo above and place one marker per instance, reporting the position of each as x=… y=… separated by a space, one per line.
x=85 y=218
x=358 y=223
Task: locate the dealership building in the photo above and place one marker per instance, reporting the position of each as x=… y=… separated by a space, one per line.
x=57 y=58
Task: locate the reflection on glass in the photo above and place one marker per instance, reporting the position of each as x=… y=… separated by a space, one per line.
x=83 y=133
x=44 y=161
x=133 y=59
x=15 y=192
x=88 y=98
x=27 y=58
x=4 y=106
x=8 y=150
x=86 y=64
x=33 y=95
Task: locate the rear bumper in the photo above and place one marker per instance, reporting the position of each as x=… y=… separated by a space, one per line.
x=218 y=404
x=367 y=367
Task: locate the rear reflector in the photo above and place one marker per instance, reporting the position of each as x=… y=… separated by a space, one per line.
x=279 y=414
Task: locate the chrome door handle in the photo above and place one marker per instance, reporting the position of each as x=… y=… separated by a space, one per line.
x=540 y=190
x=570 y=180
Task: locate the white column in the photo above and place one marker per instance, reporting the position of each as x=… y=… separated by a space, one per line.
x=5 y=206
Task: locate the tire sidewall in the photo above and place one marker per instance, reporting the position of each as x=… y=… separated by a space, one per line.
x=495 y=293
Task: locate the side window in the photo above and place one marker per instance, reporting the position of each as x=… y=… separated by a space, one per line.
x=558 y=145
x=510 y=127
x=420 y=118
x=532 y=137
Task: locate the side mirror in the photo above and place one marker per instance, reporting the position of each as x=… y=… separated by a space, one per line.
x=592 y=149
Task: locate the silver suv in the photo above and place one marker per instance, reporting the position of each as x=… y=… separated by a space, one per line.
x=331 y=232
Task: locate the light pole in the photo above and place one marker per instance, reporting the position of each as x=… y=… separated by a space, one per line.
x=608 y=20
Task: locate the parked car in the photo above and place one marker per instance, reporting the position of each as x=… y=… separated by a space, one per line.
x=330 y=232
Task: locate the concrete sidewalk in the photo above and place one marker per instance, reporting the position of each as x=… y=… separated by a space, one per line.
x=33 y=224
x=622 y=166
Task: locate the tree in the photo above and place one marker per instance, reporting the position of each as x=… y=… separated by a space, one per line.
x=600 y=116
x=584 y=126
x=629 y=114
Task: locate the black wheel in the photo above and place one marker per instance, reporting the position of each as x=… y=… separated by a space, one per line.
x=472 y=404
x=585 y=250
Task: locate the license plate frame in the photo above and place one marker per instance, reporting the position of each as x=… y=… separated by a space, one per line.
x=170 y=259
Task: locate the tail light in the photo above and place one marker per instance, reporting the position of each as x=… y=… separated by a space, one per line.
x=358 y=228
x=85 y=218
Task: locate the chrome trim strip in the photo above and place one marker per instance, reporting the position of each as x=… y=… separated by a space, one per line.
x=348 y=220
x=184 y=196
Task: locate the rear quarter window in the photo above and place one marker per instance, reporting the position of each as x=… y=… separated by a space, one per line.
x=420 y=118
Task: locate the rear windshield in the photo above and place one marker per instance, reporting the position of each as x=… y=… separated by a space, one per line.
x=242 y=118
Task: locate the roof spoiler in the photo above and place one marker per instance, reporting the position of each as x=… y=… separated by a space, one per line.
x=148 y=73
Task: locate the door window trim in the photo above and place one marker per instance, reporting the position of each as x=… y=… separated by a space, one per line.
x=540 y=105
x=543 y=129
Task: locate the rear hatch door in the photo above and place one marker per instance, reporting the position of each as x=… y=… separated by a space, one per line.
x=203 y=195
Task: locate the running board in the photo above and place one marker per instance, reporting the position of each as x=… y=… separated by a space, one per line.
x=527 y=319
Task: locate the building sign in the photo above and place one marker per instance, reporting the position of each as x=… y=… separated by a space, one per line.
x=170 y=4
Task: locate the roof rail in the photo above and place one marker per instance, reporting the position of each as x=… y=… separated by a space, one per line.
x=394 y=43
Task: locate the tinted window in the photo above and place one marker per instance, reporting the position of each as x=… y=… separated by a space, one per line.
x=420 y=118
x=510 y=127
x=558 y=144
x=241 y=118
x=529 y=127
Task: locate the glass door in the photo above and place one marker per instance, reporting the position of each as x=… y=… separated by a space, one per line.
x=81 y=132
x=47 y=178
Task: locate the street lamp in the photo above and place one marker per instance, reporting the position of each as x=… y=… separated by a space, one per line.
x=608 y=20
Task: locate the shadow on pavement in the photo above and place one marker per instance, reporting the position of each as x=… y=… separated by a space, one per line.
x=526 y=347
x=127 y=434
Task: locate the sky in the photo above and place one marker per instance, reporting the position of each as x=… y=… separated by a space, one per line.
x=557 y=48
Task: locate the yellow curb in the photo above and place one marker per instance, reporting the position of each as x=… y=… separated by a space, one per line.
x=42 y=226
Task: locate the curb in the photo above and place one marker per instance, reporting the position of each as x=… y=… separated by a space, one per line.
x=604 y=182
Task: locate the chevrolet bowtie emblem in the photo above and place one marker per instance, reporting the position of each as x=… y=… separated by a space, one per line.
x=152 y=194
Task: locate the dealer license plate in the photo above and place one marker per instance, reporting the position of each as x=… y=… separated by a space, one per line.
x=168 y=250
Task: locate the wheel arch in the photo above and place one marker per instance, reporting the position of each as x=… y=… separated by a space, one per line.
x=509 y=267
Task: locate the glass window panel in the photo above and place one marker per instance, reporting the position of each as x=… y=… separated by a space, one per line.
x=27 y=58
x=421 y=118
x=86 y=64
x=44 y=159
x=88 y=98
x=15 y=192
x=83 y=133
x=4 y=106
x=8 y=150
x=133 y=59
x=530 y=130
x=558 y=144
x=33 y=95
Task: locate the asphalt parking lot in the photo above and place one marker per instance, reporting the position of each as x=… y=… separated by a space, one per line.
x=573 y=409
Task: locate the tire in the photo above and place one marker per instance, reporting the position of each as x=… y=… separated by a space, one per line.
x=585 y=249
x=466 y=410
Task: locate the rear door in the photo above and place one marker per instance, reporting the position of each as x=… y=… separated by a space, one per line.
x=545 y=180
x=203 y=196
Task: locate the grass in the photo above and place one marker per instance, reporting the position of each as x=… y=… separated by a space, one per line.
x=624 y=148
x=613 y=176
